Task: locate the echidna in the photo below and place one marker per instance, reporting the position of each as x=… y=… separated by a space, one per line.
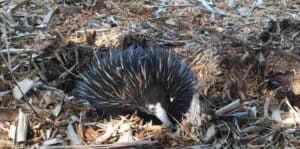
x=149 y=79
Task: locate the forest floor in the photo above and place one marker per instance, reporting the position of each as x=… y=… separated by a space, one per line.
x=245 y=54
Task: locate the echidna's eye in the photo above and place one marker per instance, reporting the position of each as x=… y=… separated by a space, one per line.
x=171 y=99
x=151 y=108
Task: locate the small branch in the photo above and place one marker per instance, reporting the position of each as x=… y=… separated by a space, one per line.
x=26 y=102
x=41 y=74
x=14 y=51
x=268 y=100
x=67 y=71
x=48 y=17
x=228 y=108
x=7 y=63
x=136 y=144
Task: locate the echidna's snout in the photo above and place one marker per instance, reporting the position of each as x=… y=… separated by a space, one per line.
x=157 y=110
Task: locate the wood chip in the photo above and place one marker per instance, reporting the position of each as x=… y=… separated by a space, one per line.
x=54 y=141
x=296 y=85
x=57 y=109
x=22 y=127
x=72 y=135
x=8 y=114
x=12 y=132
x=171 y=21
x=211 y=133
x=126 y=137
x=276 y=115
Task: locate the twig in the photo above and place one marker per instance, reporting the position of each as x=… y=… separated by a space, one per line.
x=9 y=16
x=268 y=100
x=156 y=6
x=52 y=141
x=262 y=138
x=4 y=32
x=214 y=10
x=14 y=50
x=48 y=17
x=16 y=82
x=200 y=146
x=43 y=77
x=295 y=113
x=228 y=108
x=7 y=63
x=22 y=127
x=111 y=146
x=67 y=71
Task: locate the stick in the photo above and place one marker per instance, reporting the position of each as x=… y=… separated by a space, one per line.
x=22 y=127
x=112 y=146
x=14 y=50
x=228 y=108
x=7 y=63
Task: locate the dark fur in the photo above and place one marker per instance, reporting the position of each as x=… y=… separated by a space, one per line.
x=120 y=81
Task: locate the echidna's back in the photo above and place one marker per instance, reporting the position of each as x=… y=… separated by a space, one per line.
x=115 y=82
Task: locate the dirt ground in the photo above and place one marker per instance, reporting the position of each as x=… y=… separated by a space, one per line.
x=245 y=54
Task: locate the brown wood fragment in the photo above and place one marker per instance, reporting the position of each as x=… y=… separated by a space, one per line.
x=8 y=114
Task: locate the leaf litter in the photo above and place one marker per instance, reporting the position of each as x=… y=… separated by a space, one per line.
x=245 y=53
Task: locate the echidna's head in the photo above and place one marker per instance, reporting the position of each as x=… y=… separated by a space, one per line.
x=156 y=102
